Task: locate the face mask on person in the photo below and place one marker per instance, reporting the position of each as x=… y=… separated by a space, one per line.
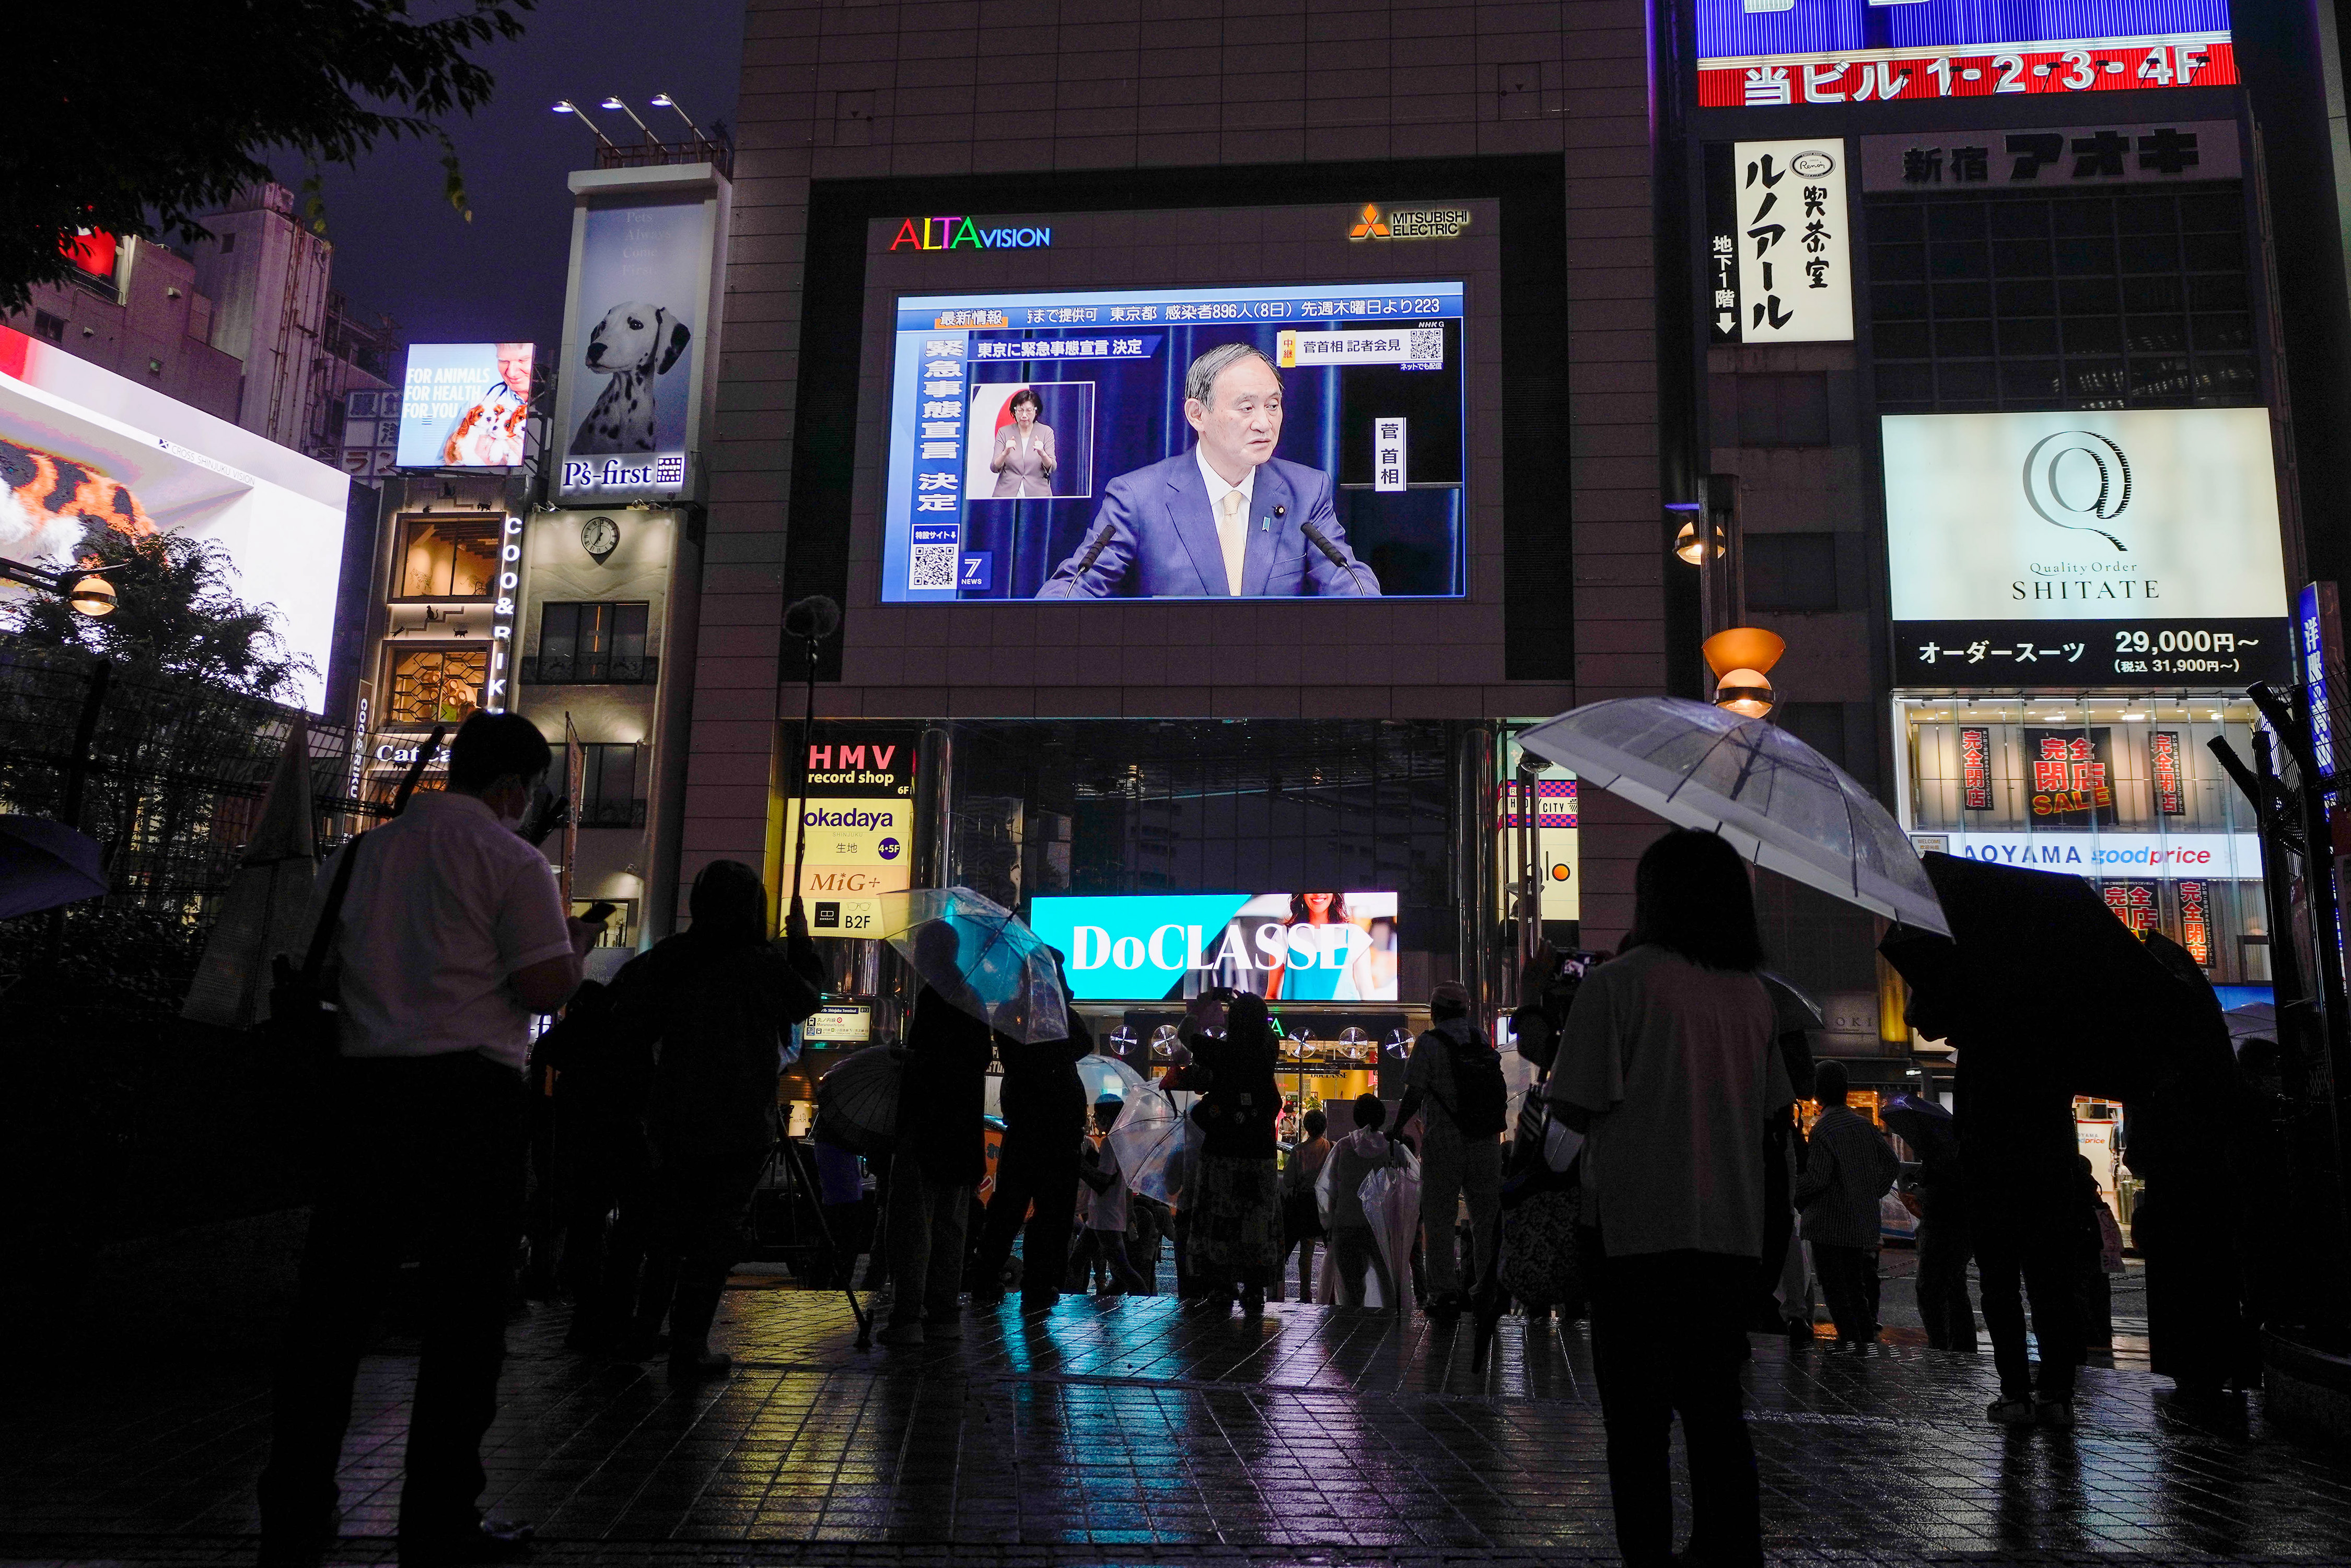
x=518 y=798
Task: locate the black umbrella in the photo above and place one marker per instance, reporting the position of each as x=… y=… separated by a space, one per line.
x=2037 y=966
x=1923 y=1124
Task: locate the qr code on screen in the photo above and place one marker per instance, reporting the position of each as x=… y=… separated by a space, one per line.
x=1423 y=347
x=931 y=566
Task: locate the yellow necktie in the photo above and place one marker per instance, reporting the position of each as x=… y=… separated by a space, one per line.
x=1232 y=532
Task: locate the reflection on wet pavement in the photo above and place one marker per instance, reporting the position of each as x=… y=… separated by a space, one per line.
x=1120 y=1431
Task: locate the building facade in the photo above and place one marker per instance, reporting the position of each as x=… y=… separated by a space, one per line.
x=1500 y=256
x=1145 y=184
x=244 y=325
x=133 y=307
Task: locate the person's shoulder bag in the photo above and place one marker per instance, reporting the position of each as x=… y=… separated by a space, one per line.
x=303 y=1016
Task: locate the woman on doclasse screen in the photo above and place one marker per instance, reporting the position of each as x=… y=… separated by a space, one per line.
x=1319 y=928
x=1024 y=461
x=1667 y=1066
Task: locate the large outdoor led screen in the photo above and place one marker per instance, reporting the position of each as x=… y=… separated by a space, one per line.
x=1320 y=947
x=465 y=406
x=85 y=452
x=1045 y=446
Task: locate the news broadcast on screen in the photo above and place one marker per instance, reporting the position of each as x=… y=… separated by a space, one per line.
x=1299 y=441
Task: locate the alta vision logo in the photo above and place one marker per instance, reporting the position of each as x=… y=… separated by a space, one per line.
x=2075 y=475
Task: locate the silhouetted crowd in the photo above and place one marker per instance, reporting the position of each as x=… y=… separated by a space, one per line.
x=1658 y=1176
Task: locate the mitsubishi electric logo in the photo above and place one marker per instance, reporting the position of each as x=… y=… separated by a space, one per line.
x=2075 y=475
x=1409 y=222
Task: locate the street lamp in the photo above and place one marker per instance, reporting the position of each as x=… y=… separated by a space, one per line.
x=93 y=596
x=663 y=100
x=615 y=102
x=1686 y=545
x=1741 y=659
x=88 y=592
x=565 y=106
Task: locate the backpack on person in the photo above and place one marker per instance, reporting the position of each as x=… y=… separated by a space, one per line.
x=1481 y=1106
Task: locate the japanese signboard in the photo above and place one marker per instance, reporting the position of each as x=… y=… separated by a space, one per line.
x=838 y=1024
x=2196 y=920
x=1975 y=769
x=2067 y=156
x=1756 y=53
x=2108 y=548
x=2318 y=663
x=860 y=821
x=1778 y=268
x=2133 y=903
x=2164 y=767
x=2072 y=772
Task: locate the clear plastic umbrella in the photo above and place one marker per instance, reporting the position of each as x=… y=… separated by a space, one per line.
x=1148 y=1139
x=1775 y=799
x=981 y=957
x=1107 y=1078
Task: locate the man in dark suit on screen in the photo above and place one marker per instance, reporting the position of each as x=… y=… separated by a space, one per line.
x=1228 y=518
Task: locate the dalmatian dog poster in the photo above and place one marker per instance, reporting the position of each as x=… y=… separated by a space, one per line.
x=631 y=369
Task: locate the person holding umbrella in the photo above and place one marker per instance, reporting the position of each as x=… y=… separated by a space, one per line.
x=1668 y=1068
x=1044 y=1107
x=1943 y=1305
x=942 y=1149
x=2018 y=1150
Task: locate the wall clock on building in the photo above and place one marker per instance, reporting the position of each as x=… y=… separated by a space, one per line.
x=600 y=537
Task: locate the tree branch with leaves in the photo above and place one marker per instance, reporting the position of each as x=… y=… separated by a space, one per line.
x=134 y=119
x=176 y=613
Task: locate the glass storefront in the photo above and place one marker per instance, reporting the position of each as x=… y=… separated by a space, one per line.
x=2121 y=790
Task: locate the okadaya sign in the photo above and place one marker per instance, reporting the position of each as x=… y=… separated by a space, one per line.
x=1287 y=946
x=2135 y=548
x=2167 y=857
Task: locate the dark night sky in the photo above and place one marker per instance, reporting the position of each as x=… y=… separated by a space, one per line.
x=400 y=248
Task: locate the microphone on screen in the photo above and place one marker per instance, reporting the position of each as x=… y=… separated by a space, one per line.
x=1101 y=542
x=1314 y=536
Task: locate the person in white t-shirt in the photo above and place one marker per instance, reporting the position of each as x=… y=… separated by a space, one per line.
x=1667 y=1065
x=452 y=936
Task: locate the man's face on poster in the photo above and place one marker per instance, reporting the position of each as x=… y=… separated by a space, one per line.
x=514 y=367
x=1240 y=423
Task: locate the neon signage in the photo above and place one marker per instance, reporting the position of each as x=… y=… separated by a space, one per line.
x=2165 y=770
x=1975 y=769
x=957 y=233
x=502 y=616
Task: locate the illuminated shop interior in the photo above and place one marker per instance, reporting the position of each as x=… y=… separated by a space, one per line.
x=2123 y=789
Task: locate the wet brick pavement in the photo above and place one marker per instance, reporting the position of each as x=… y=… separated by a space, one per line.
x=1121 y=1433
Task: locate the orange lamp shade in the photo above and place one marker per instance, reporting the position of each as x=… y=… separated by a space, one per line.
x=1743 y=647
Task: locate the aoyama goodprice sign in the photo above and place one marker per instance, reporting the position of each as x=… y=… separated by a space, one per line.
x=2115 y=548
